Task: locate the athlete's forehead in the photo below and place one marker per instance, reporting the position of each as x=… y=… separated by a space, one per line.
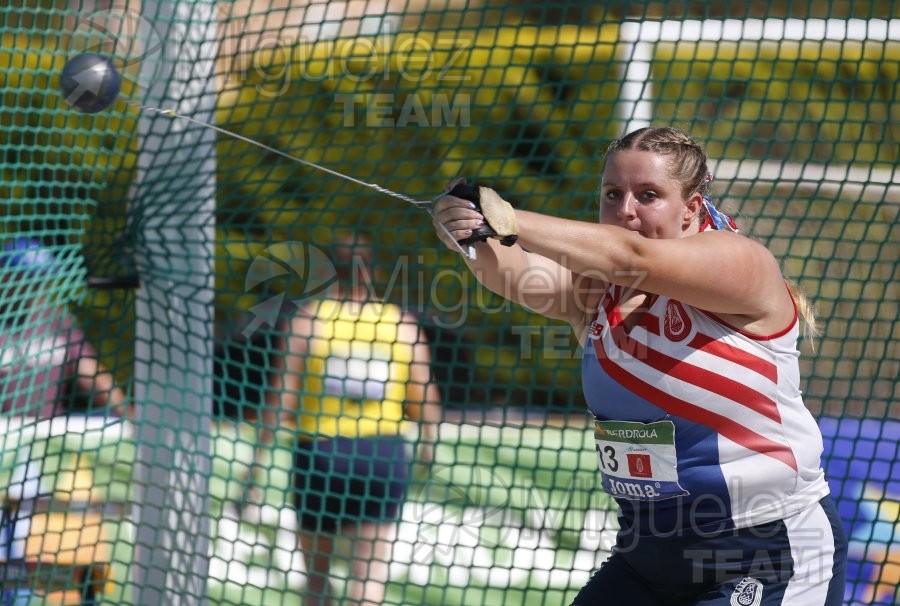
x=636 y=168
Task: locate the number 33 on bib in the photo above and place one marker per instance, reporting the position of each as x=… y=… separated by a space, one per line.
x=638 y=460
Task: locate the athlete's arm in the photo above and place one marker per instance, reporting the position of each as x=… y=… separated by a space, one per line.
x=541 y=284
x=282 y=392
x=280 y=398
x=721 y=272
x=422 y=394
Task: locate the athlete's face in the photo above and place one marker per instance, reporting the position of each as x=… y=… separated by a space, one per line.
x=638 y=193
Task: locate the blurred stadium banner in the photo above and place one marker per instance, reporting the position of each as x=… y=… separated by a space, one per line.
x=862 y=462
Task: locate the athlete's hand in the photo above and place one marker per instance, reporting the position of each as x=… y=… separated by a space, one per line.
x=425 y=453
x=473 y=214
x=423 y=459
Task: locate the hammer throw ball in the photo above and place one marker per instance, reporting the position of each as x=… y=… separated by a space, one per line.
x=89 y=83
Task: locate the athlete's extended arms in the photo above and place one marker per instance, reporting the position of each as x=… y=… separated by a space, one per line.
x=541 y=284
x=721 y=272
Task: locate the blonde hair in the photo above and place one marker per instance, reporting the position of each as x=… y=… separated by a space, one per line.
x=686 y=158
x=807 y=311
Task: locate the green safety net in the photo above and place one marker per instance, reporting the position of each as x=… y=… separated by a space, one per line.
x=183 y=252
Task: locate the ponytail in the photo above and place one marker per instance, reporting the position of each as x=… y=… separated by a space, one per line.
x=807 y=311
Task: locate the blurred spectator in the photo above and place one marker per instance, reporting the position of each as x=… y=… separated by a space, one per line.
x=354 y=370
x=44 y=357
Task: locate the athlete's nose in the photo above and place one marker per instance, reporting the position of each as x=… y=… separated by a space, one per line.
x=627 y=209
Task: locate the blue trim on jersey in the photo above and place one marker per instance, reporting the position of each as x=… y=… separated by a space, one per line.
x=708 y=505
x=609 y=400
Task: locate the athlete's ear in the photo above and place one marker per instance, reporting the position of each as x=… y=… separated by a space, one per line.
x=692 y=209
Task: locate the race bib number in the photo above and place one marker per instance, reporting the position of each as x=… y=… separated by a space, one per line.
x=638 y=460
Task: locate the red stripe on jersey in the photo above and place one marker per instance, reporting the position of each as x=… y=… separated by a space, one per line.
x=725 y=426
x=609 y=302
x=704 y=379
x=699 y=377
x=756 y=364
x=650 y=323
x=613 y=312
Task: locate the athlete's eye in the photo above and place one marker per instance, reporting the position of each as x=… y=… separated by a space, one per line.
x=610 y=196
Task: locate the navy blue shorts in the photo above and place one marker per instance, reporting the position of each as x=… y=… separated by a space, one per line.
x=800 y=561
x=343 y=481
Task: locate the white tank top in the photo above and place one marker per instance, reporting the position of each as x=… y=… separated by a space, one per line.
x=699 y=424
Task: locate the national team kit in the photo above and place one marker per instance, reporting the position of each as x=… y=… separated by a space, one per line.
x=718 y=451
